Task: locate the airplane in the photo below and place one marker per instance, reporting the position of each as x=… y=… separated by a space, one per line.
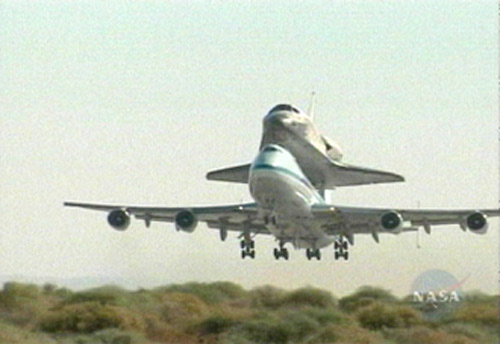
x=289 y=207
x=319 y=157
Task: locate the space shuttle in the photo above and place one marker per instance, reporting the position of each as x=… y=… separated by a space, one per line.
x=319 y=157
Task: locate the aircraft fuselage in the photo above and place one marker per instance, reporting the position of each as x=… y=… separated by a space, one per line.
x=285 y=197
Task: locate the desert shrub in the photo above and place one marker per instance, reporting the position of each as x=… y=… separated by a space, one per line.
x=109 y=336
x=365 y=296
x=326 y=316
x=379 y=316
x=267 y=296
x=479 y=297
x=298 y=326
x=309 y=297
x=285 y=327
x=16 y=294
x=472 y=331
x=420 y=335
x=108 y=295
x=88 y=317
x=480 y=313
x=216 y=324
x=21 y=303
x=346 y=333
x=181 y=307
x=11 y=334
x=263 y=330
x=408 y=316
x=210 y=293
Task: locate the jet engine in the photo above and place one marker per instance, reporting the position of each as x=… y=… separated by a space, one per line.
x=391 y=221
x=477 y=222
x=186 y=221
x=119 y=219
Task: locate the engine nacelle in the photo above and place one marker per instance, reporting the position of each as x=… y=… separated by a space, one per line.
x=477 y=222
x=119 y=219
x=186 y=221
x=391 y=221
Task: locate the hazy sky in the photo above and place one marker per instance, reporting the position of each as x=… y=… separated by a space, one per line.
x=133 y=102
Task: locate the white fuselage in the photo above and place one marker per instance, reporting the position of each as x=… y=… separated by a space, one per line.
x=285 y=196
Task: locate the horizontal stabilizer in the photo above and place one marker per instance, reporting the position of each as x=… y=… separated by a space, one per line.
x=235 y=174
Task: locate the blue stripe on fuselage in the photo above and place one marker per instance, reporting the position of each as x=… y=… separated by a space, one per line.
x=286 y=171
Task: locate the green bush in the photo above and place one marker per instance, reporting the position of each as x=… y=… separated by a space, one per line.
x=107 y=295
x=264 y=330
x=110 y=336
x=326 y=316
x=267 y=297
x=347 y=333
x=480 y=313
x=379 y=316
x=22 y=304
x=178 y=307
x=216 y=324
x=421 y=335
x=471 y=331
x=87 y=317
x=309 y=297
x=211 y=293
x=365 y=296
x=15 y=295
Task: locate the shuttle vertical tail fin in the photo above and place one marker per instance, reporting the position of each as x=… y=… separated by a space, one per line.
x=310 y=112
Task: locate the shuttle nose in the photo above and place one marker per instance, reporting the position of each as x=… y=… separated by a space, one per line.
x=281 y=112
x=277 y=117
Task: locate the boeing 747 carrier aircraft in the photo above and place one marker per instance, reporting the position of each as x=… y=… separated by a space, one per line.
x=289 y=207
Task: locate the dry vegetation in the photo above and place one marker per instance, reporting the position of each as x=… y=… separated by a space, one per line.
x=226 y=313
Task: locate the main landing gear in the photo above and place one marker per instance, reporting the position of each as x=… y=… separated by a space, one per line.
x=247 y=248
x=313 y=253
x=281 y=252
x=341 y=248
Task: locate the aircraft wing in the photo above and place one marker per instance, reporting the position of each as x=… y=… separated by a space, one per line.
x=241 y=217
x=352 y=220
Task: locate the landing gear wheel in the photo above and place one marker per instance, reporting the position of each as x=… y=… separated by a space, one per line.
x=313 y=253
x=247 y=249
x=281 y=252
x=341 y=248
x=285 y=254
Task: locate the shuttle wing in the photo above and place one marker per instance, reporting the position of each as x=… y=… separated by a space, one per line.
x=323 y=172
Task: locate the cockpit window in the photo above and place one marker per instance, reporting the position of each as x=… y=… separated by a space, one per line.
x=284 y=107
x=271 y=149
